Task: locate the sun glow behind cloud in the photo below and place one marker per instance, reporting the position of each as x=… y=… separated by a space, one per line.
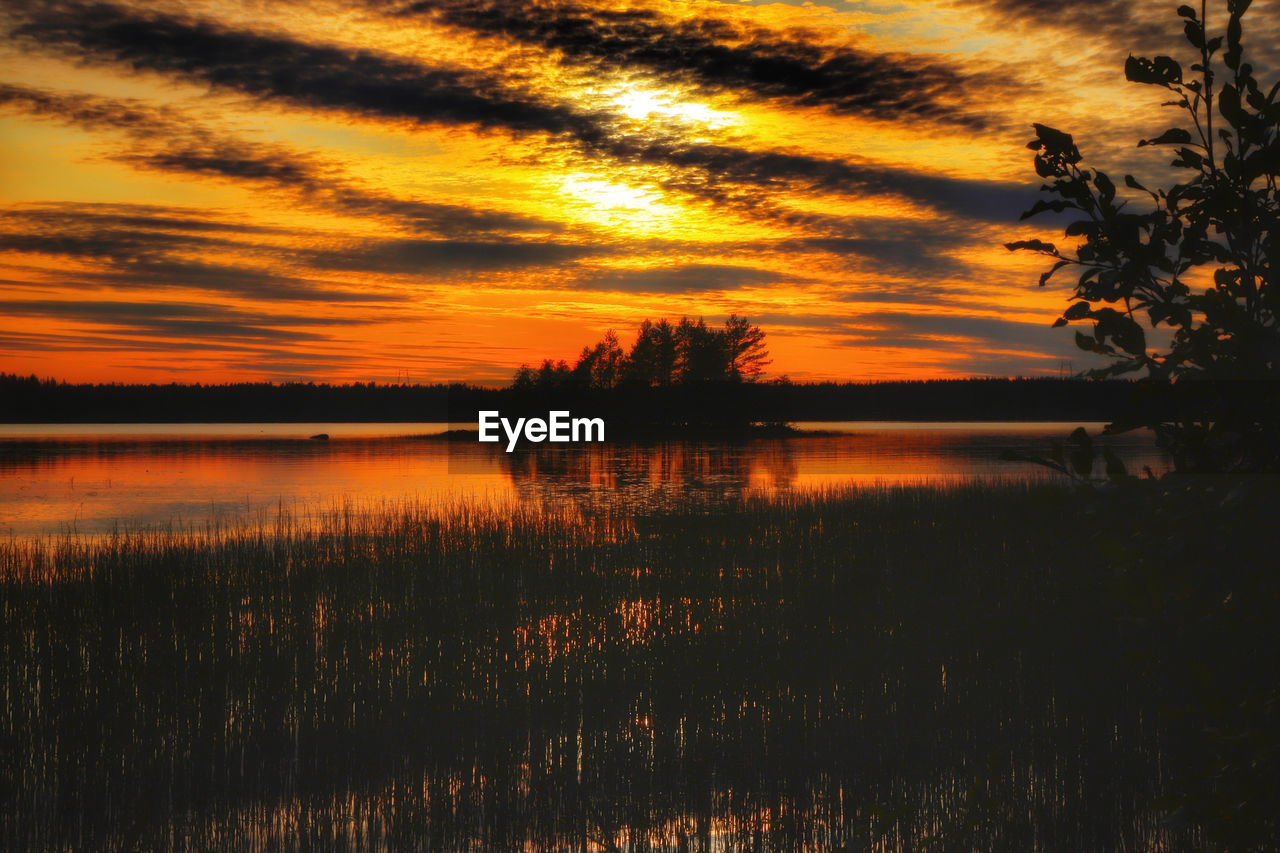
x=359 y=190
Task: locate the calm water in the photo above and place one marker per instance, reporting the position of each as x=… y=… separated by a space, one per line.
x=91 y=478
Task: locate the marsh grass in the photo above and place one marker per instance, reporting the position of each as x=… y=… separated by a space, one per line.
x=988 y=666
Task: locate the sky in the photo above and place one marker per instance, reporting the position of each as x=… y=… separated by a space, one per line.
x=443 y=190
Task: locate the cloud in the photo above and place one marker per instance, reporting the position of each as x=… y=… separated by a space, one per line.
x=1101 y=17
x=362 y=82
x=716 y=168
x=1138 y=26
x=716 y=54
x=195 y=322
x=449 y=256
x=155 y=255
x=315 y=76
x=686 y=278
x=901 y=329
x=131 y=216
x=172 y=141
x=144 y=259
x=917 y=251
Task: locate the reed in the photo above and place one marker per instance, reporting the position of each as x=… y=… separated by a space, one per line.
x=983 y=666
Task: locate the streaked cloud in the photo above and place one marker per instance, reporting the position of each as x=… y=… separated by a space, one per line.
x=717 y=55
x=455 y=187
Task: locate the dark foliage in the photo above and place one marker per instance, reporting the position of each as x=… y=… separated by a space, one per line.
x=1200 y=261
x=663 y=355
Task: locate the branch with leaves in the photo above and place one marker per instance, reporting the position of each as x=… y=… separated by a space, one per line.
x=1201 y=260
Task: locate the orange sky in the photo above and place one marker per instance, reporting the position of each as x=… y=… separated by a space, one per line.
x=446 y=189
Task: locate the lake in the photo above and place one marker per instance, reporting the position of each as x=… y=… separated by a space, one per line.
x=663 y=647
x=93 y=478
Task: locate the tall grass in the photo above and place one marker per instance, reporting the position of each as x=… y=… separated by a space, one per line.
x=972 y=667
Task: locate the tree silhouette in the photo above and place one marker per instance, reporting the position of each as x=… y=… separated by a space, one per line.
x=1200 y=261
x=663 y=356
x=701 y=352
x=744 y=349
x=601 y=366
x=653 y=356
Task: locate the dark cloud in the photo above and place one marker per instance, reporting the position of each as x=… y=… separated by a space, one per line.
x=901 y=329
x=969 y=345
x=89 y=111
x=715 y=54
x=910 y=254
x=717 y=170
x=450 y=256
x=362 y=82
x=136 y=259
x=131 y=216
x=189 y=321
x=226 y=163
x=126 y=341
x=688 y=278
x=1137 y=26
x=1100 y=17
x=450 y=220
x=174 y=142
x=316 y=76
x=143 y=258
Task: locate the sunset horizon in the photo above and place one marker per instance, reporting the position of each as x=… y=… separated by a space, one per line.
x=437 y=192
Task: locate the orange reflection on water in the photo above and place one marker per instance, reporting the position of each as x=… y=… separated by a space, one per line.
x=195 y=474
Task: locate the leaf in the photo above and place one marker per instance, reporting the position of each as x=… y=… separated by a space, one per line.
x=1186 y=12
x=1033 y=245
x=1052 y=138
x=1233 y=31
x=1122 y=329
x=1172 y=136
x=1160 y=71
x=1078 y=311
x=1104 y=185
x=1055 y=205
x=1229 y=104
x=1058 y=323
x=1045 y=276
x=1195 y=33
x=1188 y=158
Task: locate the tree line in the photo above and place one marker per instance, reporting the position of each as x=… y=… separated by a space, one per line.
x=664 y=355
x=27 y=399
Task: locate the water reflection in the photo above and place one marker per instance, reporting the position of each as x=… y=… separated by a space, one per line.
x=91 y=479
x=655 y=474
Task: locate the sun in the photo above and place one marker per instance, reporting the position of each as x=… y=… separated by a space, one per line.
x=617 y=205
x=669 y=106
